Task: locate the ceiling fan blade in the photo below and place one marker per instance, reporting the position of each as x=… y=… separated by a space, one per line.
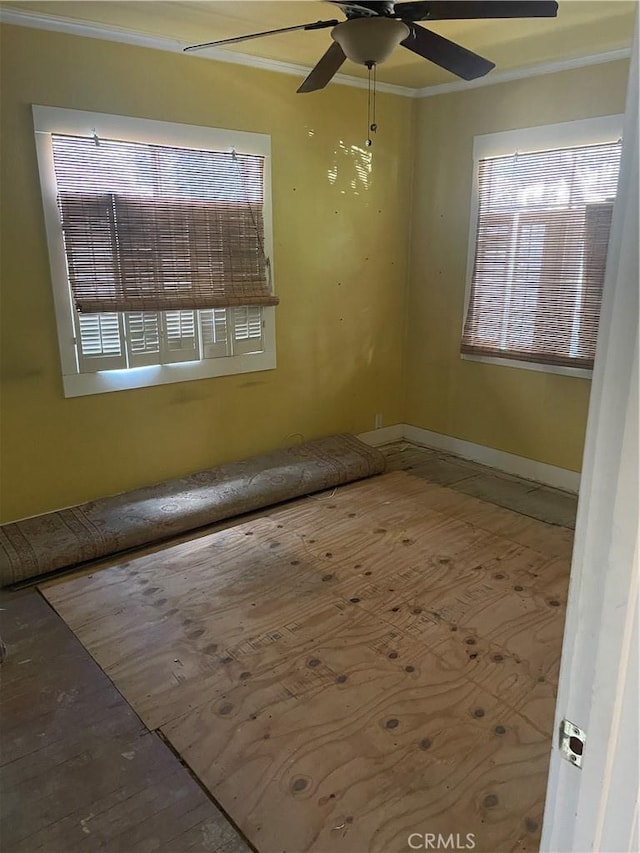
x=366 y=8
x=447 y=54
x=317 y=25
x=449 y=10
x=328 y=65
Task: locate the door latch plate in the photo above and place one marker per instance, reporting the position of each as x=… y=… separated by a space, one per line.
x=572 y=742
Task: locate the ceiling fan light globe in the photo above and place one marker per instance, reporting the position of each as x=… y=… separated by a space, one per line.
x=369 y=40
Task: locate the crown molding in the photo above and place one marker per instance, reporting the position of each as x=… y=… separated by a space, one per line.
x=495 y=77
x=108 y=33
x=71 y=26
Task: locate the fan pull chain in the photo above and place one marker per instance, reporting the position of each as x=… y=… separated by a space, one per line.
x=372 y=127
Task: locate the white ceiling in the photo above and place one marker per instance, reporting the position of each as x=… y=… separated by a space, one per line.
x=583 y=28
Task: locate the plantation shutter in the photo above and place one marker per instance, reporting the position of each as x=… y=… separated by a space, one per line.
x=158 y=228
x=100 y=343
x=144 y=334
x=180 y=336
x=161 y=338
x=247 y=330
x=215 y=336
x=540 y=255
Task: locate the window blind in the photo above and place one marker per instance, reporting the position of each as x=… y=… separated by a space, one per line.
x=150 y=227
x=540 y=254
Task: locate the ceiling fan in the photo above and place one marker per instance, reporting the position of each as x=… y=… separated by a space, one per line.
x=373 y=28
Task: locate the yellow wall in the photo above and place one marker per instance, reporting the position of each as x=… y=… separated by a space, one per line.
x=340 y=258
x=358 y=333
x=537 y=415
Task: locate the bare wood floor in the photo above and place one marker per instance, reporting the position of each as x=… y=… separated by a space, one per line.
x=522 y=496
x=80 y=771
x=351 y=668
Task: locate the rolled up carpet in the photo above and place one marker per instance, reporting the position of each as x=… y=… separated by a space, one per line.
x=56 y=540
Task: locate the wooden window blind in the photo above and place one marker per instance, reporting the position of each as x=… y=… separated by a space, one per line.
x=159 y=228
x=540 y=254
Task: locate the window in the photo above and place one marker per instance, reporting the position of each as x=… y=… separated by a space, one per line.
x=160 y=244
x=541 y=215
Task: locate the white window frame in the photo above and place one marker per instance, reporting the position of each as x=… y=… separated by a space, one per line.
x=591 y=131
x=50 y=120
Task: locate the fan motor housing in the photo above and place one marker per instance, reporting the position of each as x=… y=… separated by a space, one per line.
x=369 y=41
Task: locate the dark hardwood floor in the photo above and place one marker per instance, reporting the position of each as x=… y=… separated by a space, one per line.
x=79 y=770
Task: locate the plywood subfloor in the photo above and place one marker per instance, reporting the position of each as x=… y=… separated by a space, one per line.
x=349 y=669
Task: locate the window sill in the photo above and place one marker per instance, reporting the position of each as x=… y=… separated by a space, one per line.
x=82 y=384
x=578 y=372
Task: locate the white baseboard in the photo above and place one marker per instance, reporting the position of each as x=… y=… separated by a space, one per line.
x=384 y=435
x=509 y=463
